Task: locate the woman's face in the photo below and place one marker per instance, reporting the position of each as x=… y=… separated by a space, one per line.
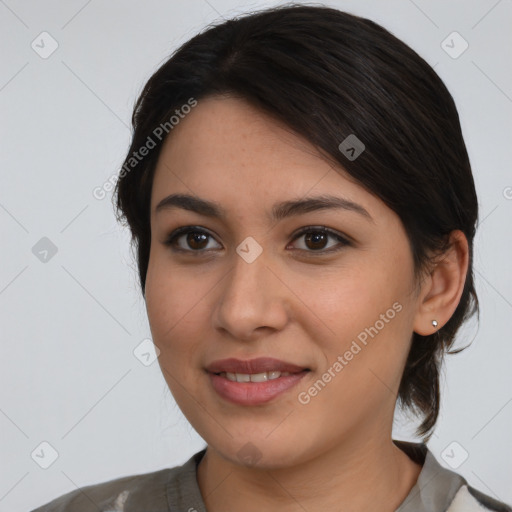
x=250 y=282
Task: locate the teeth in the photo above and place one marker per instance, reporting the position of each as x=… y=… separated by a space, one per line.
x=253 y=377
x=242 y=377
x=260 y=377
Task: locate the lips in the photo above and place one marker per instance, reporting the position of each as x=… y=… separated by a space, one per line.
x=254 y=381
x=252 y=366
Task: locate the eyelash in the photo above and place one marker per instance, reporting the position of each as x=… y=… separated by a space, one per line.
x=176 y=234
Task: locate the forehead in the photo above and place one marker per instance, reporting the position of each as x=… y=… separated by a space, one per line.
x=228 y=151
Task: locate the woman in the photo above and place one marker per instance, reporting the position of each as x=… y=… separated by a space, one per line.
x=303 y=208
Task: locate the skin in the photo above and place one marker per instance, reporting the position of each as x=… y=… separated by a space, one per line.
x=291 y=303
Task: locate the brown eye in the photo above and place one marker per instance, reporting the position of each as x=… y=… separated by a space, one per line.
x=197 y=240
x=190 y=239
x=317 y=239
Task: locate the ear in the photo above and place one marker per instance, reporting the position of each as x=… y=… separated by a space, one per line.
x=443 y=287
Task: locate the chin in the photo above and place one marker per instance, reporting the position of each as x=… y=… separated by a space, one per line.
x=259 y=452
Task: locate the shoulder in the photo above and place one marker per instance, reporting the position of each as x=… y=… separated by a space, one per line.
x=160 y=491
x=142 y=490
x=468 y=499
x=441 y=489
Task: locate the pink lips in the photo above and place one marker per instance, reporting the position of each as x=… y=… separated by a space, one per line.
x=253 y=393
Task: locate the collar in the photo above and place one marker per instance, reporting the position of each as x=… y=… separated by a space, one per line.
x=436 y=486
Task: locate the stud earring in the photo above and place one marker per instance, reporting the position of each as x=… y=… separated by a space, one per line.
x=434 y=323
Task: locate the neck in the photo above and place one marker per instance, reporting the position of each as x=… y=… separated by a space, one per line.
x=354 y=475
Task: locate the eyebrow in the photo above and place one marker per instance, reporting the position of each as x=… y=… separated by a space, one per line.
x=279 y=211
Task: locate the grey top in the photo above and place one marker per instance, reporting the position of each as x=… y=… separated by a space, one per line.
x=176 y=490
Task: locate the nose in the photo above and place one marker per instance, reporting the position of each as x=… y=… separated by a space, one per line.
x=253 y=300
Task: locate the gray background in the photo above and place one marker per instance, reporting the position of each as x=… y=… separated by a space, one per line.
x=70 y=325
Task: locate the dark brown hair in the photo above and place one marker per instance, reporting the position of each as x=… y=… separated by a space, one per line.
x=327 y=74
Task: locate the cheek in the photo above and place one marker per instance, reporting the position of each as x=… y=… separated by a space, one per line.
x=174 y=300
x=366 y=316
x=348 y=302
